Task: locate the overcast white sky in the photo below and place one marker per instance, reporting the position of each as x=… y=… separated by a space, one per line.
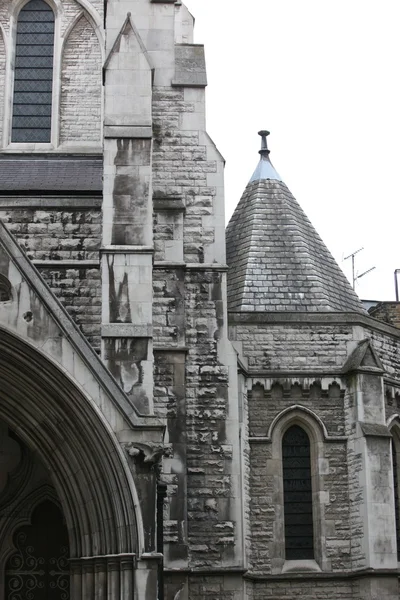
x=323 y=77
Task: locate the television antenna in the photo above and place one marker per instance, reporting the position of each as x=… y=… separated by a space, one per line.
x=353 y=269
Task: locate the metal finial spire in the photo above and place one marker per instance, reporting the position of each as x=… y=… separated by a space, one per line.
x=264 y=146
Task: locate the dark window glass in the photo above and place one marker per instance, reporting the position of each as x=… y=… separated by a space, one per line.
x=5 y=289
x=396 y=498
x=33 y=79
x=297 y=492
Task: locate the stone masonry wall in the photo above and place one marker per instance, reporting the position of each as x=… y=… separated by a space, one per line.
x=388 y=349
x=55 y=234
x=188 y=314
x=264 y=510
x=264 y=406
x=65 y=238
x=79 y=291
x=180 y=170
x=80 y=104
x=388 y=312
x=293 y=347
x=310 y=589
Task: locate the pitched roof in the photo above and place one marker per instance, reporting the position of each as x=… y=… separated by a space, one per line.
x=50 y=174
x=277 y=261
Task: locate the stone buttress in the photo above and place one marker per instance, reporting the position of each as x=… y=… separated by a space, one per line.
x=164 y=286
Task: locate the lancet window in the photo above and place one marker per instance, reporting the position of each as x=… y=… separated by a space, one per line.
x=297 y=494
x=33 y=75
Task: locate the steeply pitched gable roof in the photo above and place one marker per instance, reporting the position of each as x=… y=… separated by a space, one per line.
x=277 y=261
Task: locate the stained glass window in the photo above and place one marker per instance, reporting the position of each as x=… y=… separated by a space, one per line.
x=297 y=492
x=33 y=79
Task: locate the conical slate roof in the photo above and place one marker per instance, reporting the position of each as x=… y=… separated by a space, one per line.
x=276 y=259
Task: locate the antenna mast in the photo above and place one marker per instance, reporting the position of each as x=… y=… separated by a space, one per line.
x=353 y=271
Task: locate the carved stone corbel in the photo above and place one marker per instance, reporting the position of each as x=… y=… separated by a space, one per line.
x=149 y=452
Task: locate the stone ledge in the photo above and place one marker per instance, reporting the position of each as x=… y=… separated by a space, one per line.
x=322 y=575
x=63 y=264
x=169 y=204
x=375 y=430
x=127 y=249
x=160 y=265
x=126 y=131
x=123 y=330
x=183 y=349
x=63 y=202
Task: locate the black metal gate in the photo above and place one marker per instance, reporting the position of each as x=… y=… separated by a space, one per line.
x=39 y=568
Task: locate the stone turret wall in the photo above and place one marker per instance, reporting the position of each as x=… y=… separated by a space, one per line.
x=292 y=347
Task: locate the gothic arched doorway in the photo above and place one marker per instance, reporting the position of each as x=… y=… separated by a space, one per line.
x=38 y=569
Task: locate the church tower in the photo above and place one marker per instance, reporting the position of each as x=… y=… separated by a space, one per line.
x=321 y=492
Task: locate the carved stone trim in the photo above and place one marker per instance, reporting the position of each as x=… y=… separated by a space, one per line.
x=150 y=452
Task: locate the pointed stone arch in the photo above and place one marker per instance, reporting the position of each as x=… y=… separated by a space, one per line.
x=88 y=469
x=314 y=428
x=81 y=90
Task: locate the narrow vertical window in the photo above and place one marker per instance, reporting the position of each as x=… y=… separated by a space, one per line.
x=297 y=492
x=396 y=497
x=33 y=78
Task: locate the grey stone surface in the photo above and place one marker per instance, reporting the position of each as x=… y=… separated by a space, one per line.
x=277 y=260
x=190 y=66
x=50 y=174
x=141 y=272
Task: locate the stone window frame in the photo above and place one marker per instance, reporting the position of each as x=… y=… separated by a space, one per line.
x=313 y=426
x=16 y=8
x=394 y=427
x=59 y=43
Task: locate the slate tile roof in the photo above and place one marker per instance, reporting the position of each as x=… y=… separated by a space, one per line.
x=41 y=174
x=277 y=261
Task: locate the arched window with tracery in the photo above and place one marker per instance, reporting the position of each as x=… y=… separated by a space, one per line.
x=33 y=75
x=297 y=494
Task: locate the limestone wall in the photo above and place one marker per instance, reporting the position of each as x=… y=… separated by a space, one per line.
x=77 y=86
x=292 y=347
x=80 y=104
x=64 y=245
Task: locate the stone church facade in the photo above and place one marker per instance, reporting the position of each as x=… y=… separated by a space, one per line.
x=186 y=413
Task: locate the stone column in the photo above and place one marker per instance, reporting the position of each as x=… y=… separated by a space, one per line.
x=110 y=577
